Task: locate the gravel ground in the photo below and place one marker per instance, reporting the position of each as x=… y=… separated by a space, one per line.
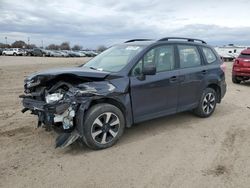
x=175 y=151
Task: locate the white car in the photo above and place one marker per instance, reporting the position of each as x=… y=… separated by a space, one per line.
x=13 y=51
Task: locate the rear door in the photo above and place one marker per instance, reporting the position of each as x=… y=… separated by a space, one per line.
x=9 y=52
x=192 y=75
x=156 y=95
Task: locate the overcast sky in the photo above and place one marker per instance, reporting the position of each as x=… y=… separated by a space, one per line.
x=92 y=23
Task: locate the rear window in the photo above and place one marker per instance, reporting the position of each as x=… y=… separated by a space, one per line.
x=210 y=57
x=242 y=55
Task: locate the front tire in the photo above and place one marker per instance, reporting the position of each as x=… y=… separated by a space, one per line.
x=235 y=80
x=207 y=103
x=103 y=126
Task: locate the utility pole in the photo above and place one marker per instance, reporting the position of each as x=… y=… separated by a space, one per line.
x=6 y=41
x=28 y=42
x=42 y=43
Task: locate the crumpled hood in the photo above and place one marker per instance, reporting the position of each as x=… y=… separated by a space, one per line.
x=80 y=72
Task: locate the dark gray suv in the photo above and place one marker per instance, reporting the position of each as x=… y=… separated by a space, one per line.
x=128 y=83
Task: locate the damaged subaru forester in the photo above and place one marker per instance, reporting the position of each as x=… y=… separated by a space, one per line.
x=128 y=83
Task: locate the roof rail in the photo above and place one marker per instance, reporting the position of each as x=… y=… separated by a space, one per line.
x=133 y=40
x=182 y=38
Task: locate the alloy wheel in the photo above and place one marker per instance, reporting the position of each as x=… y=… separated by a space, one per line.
x=208 y=103
x=105 y=128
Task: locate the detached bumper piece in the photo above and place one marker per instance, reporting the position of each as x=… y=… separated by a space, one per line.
x=49 y=114
x=66 y=139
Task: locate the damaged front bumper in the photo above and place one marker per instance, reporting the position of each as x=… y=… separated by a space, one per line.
x=69 y=110
x=49 y=115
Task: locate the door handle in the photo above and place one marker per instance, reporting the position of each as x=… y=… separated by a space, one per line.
x=173 y=79
x=204 y=72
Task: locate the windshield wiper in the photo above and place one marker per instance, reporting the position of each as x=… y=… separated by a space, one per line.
x=93 y=68
x=98 y=69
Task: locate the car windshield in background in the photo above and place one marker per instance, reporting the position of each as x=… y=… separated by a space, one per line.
x=247 y=56
x=114 y=58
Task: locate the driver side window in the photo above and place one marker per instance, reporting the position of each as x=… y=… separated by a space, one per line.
x=162 y=57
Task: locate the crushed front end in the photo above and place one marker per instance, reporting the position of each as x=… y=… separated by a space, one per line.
x=62 y=106
x=55 y=110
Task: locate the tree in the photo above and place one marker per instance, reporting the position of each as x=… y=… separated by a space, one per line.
x=101 y=48
x=65 y=46
x=2 y=45
x=77 y=47
x=19 y=44
x=52 y=47
x=31 y=46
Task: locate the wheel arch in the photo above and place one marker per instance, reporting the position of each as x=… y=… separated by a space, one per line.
x=217 y=89
x=111 y=101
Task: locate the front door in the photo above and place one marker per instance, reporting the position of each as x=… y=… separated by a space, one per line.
x=155 y=95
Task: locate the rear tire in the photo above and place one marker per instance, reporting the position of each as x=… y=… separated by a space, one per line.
x=235 y=80
x=103 y=126
x=207 y=103
x=14 y=54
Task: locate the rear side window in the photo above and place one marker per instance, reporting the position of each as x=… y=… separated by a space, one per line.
x=189 y=56
x=209 y=54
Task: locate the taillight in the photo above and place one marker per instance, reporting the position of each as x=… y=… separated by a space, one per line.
x=223 y=67
x=236 y=61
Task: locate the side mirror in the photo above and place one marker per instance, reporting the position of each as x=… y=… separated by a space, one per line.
x=149 y=70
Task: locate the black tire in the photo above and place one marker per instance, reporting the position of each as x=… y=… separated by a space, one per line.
x=14 y=54
x=235 y=80
x=4 y=54
x=90 y=128
x=206 y=107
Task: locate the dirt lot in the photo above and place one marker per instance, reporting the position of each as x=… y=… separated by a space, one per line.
x=176 y=151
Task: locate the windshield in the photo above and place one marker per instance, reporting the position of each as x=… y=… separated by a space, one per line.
x=114 y=58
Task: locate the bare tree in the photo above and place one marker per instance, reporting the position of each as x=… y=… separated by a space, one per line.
x=65 y=46
x=31 y=46
x=2 y=45
x=101 y=48
x=19 y=44
x=52 y=47
x=77 y=47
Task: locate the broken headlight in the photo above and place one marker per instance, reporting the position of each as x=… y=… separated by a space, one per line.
x=50 y=98
x=32 y=83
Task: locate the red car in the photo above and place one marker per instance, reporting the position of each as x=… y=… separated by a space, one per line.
x=241 y=67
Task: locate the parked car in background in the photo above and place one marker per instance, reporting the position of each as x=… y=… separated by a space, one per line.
x=63 y=53
x=241 y=67
x=29 y=52
x=82 y=54
x=55 y=53
x=73 y=53
x=41 y=52
x=90 y=53
x=128 y=83
x=13 y=51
